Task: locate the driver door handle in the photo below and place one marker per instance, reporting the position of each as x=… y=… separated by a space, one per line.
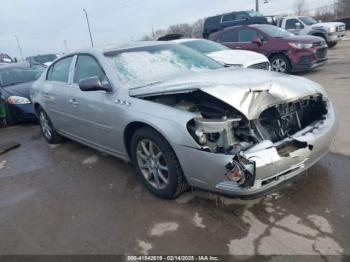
x=73 y=102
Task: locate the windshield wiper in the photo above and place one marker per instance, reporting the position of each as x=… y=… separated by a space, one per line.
x=151 y=84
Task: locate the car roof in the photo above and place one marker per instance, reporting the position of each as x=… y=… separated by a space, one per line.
x=184 y=40
x=21 y=65
x=117 y=47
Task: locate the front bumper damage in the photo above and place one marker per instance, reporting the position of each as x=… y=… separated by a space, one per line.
x=206 y=170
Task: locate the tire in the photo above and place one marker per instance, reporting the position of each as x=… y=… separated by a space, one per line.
x=332 y=44
x=170 y=182
x=49 y=132
x=281 y=63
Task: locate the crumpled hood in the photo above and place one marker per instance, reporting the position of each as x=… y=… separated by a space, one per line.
x=238 y=57
x=249 y=91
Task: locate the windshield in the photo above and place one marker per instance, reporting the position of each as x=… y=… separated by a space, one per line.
x=12 y=76
x=274 y=31
x=205 y=46
x=308 y=20
x=148 y=65
x=42 y=59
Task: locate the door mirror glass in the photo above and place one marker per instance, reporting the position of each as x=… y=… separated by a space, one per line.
x=257 y=41
x=93 y=84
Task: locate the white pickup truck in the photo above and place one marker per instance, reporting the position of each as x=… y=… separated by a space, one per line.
x=332 y=32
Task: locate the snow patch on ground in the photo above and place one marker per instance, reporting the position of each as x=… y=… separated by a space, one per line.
x=3 y=164
x=144 y=247
x=90 y=160
x=161 y=228
x=321 y=223
x=245 y=246
x=198 y=221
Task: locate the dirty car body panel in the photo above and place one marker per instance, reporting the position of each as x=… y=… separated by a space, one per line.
x=232 y=134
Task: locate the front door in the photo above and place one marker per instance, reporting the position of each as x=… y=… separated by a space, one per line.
x=93 y=113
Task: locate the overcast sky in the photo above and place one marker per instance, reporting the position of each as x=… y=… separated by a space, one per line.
x=42 y=25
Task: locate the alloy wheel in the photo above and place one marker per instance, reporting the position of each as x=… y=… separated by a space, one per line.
x=152 y=164
x=279 y=65
x=45 y=125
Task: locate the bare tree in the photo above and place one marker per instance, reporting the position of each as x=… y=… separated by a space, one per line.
x=194 y=30
x=342 y=8
x=300 y=7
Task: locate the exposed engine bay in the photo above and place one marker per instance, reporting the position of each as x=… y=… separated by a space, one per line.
x=220 y=128
x=284 y=120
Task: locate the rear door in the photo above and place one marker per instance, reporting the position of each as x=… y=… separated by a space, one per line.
x=229 y=38
x=54 y=91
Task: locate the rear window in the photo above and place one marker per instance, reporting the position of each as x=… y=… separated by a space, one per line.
x=60 y=70
x=13 y=76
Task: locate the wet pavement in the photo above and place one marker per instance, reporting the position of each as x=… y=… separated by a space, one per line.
x=70 y=199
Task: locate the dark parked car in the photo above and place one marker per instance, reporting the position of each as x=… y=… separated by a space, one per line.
x=5 y=59
x=286 y=51
x=15 y=83
x=41 y=60
x=215 y=23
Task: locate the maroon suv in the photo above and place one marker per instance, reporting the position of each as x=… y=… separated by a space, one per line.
x=286 y=51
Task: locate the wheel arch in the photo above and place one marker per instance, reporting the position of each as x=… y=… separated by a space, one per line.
x=36 y=107
x=130 y=130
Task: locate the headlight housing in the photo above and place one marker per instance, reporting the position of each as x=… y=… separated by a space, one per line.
x=17 y=100
x=332 y=29
x=301 y=45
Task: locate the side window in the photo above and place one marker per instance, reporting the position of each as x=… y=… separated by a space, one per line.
x=246 y=35
x=242 y=16
x=87 y=66
x=228 y=18
x=229 y=37
x=60 y=70
x=291 y=23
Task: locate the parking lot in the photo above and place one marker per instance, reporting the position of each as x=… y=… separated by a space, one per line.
x=70 y=199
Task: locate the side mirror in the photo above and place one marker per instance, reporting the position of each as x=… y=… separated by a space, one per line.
x=298 y=25
x=257 y=41
x=93 y=84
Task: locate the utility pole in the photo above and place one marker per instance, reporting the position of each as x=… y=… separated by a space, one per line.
x=65 y=46
x=19 y=48
x=88 y=24
x=257 y=5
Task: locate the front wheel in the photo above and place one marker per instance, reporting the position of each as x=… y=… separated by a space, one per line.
x=49 y=132
x=280 y=63
x=332 y=44
x=157 y=164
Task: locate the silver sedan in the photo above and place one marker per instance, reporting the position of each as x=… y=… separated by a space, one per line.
x=184 y=120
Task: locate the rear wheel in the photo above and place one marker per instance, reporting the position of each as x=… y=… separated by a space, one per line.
x=157 y=164
x=49 y=132
x=281 y=63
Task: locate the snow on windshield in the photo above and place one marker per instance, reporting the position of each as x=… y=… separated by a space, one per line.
x=144 y=67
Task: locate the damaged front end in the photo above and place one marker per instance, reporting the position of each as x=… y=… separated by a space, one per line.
x=239 y=157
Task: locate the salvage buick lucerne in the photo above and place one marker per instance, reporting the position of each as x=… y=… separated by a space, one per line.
x=184 y=120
